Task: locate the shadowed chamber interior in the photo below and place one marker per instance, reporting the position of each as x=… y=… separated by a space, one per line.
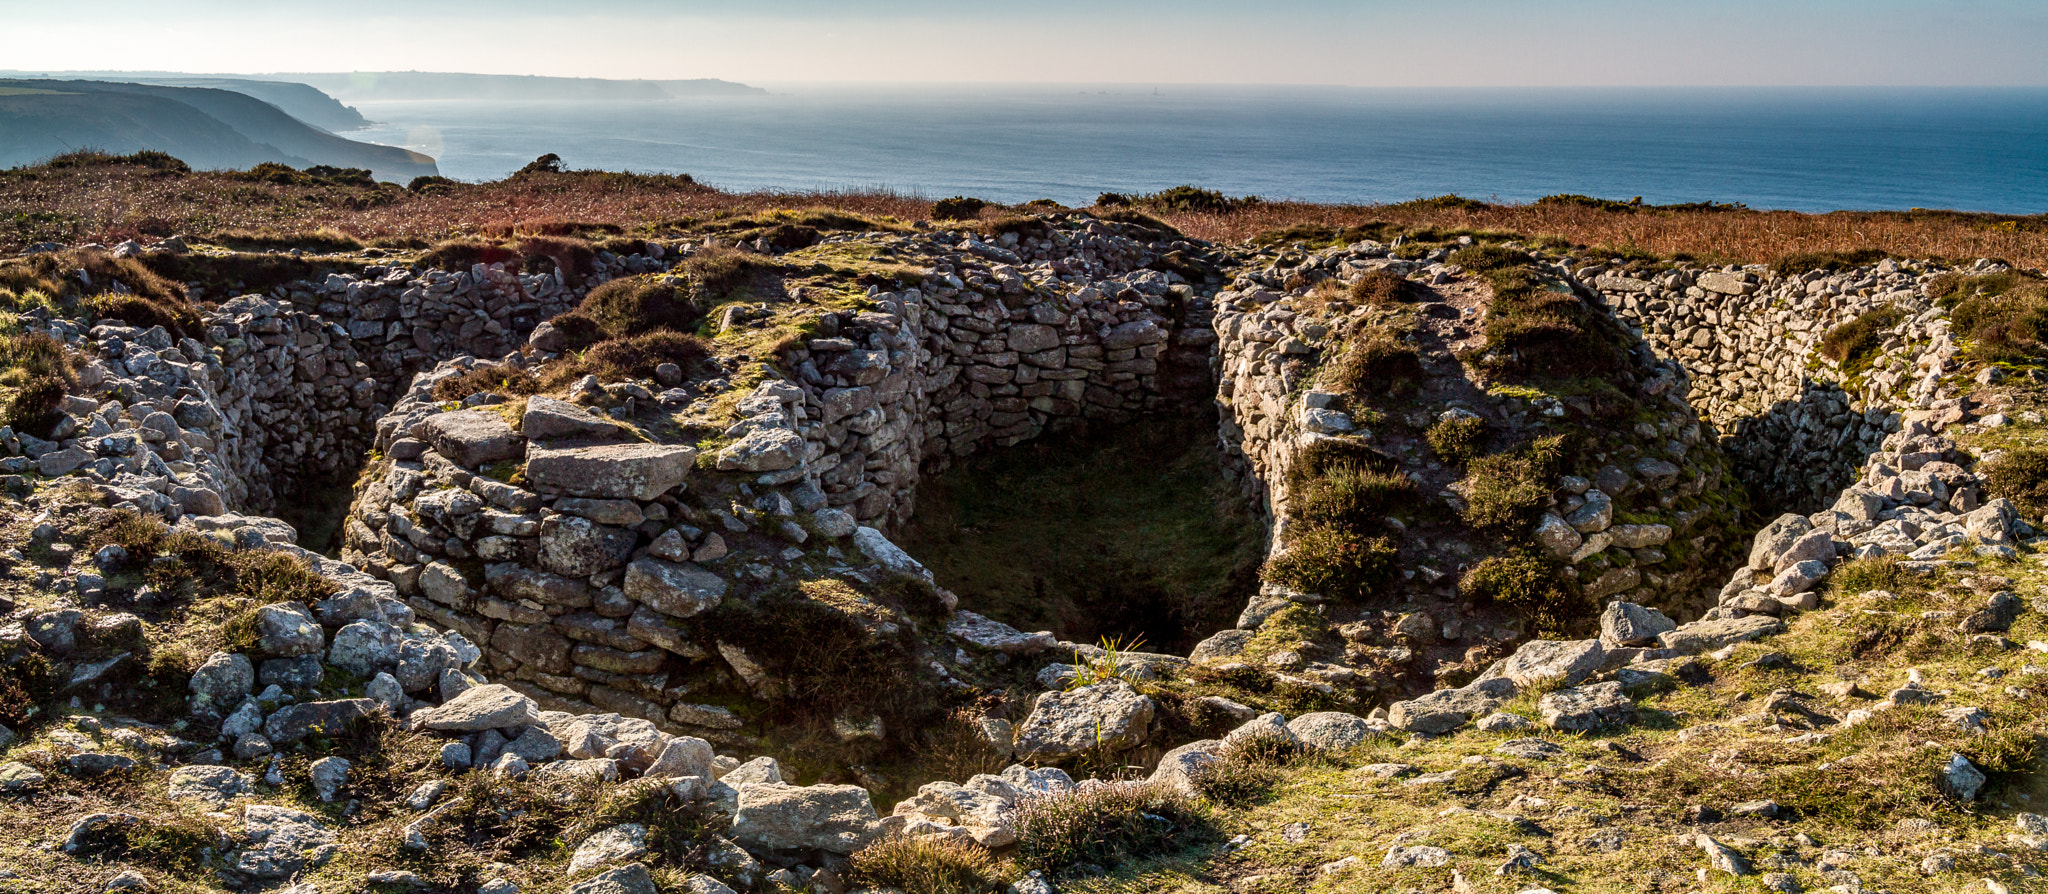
x=1129 y=533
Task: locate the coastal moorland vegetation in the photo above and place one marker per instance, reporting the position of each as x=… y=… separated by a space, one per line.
x=93 y=197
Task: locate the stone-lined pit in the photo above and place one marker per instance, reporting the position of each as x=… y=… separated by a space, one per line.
x=1132 y=533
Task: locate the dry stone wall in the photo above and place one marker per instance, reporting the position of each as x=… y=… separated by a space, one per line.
x=1796 y=426
x=587 y=591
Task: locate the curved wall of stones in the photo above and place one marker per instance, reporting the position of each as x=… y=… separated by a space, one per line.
x=583 y=588
x=1747 y=339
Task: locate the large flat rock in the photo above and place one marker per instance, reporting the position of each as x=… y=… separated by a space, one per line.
x=610 y=471
x=474 y=438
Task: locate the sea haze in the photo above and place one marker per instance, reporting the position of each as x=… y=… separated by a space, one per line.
x=1794 y=148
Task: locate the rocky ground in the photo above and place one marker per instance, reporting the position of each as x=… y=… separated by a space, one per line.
x=601 y=622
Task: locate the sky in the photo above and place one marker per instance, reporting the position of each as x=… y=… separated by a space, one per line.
x=1357 y=43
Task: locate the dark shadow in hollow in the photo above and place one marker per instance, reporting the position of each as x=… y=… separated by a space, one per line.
x=1127 y=532
x=1773 y=453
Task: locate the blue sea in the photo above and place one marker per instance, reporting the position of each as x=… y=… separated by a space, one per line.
x=1805 y=149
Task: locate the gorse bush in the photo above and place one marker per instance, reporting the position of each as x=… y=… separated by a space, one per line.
x=1859 y=338
x=2021 y=476
x=927 y=864
x=1506 y=492
x=1096 y=826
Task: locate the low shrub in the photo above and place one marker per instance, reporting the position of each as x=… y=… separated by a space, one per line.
x=1334 y=562
x=1376 y=364
x=1536 y=328
x=488 y=377
x=2002 y=317
x=1441 y=203
x=1575 y=200
x=1193 y=200
x=431 y=185
x=1831 y=261
x=148 y=158
x=958 y=208
x=573 y=257
x=1488 y=258
x=1458 y=439
x=1506 y=492
x=37 y=372
x=1352 y=497
x=1093 y=827
x=2021 y=476
x=927 y=864
x=1381 y=287
x=1528 y=583
x=624 y=308
x=680 y=829
x=630 y=358
x=27 y=683
x=1860 y=337
x=458 y=255
x=1246 y=771
x=715 y=273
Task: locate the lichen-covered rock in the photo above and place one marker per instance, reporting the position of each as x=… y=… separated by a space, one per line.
x=292 y=723
x=762 y=450
x=838 y=819
x=474 y=438
x=673 y=589
x=288 y=630
x=490 y=706
x=1333 y=730
x=1565 y=662
x=1109 y=716
x=285 y=843
x=579 y=547
x=620 y=471
x=547 y=419
x=1447 y=709
x=222 y=682
x=1587 y=708
x=1628 y=624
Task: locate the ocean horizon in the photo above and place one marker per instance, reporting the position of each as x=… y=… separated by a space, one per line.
x=1802 y=149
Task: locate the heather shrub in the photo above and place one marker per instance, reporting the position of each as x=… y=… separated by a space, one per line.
x=1096 y=826
x=1506 y=492
x=1858 y=338
x=2021 y=476
x=958 y=208
x=1458 y=439
x=929 y=864
x=1527 y=582
x=1334 y=562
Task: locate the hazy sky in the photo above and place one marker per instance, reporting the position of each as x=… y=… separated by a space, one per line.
x=1360 y=42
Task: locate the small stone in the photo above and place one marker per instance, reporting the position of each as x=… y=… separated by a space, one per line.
x=329 y=774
